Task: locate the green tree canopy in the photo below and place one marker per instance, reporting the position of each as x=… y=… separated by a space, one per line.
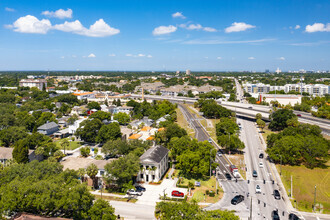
x=101 y=115
x=122 y=118
x=109 y=132
x=280 y=118
x=94 y=105
x=89 y=129
x=121 y=171
x=21 y=151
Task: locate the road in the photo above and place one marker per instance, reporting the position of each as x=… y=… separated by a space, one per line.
x=133 y=211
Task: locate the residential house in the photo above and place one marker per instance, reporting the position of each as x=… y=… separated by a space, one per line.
x=154 y=164
x=75 y=163
x=49 y=128
x=144 y=121
x=73 y=128
x=6 y=153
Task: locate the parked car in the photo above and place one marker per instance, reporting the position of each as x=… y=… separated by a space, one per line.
x=177 y=193
x=261 y=164
x=250 y=107
x=140 y=189
x=275 y=215
x=228 y=176
x=219 y=153
x=237 y=199
x=134 y=192
x=255 y=174
x=277 y=194
x=293 y=217
x=261 y=155
x=299 y=115
x=210 y=140
x=258 y=189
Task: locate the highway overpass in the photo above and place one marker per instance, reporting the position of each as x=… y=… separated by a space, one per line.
x=247 y=110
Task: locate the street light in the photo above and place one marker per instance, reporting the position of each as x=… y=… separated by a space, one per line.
x=280 y=164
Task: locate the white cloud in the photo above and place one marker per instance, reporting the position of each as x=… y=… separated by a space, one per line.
x=297 y=27
x=31 y=24
x=206 y=57
x=149 y=56
x=164 y=30
x=318 y=27
x=9 y=9
x=62 y=57
x=220 y=41
x=281 y=58
x=91 y=55
x=194 y=27
x=251 y=58
x=138 y=55
x=238 y=26
x=209 y=29
x=219 y=58
x=178 y=15
x=129 y=55
x=112 y=55
x=141 y=55
x=60 y=13
x=98 y=29
x=197 y=27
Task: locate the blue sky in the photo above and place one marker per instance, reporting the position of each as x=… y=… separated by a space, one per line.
x=200 y=35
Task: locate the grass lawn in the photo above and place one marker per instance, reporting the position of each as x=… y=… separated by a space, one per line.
x=266 y=132
x=114 y=198
x=182 y=122
x=73 y=144
x=304 y=181
x=198 y=192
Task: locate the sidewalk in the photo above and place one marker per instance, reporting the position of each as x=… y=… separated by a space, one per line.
x=107 y=194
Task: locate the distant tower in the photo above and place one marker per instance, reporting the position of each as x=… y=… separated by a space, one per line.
x=142 y=94
x=278 y=71
x=188 y=72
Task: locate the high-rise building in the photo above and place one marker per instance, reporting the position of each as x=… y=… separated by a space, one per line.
x=188 y=72
x=39 y=83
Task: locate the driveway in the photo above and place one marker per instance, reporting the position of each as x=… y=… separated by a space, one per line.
x=153 y=192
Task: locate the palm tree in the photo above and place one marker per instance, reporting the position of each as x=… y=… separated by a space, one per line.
x=81 y=174
x=92 y=171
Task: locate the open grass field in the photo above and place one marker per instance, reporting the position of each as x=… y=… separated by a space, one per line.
x=182 y=122
x=198 y=192
x=73 y=144
x=304 y=181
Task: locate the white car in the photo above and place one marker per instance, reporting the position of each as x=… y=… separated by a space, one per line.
x=261 y=165
x=258 y=189
x=134 y=192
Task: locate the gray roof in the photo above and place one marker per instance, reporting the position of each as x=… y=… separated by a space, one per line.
x=7 y=152
x=154 y=154
x=75 y=163
x=47 y=126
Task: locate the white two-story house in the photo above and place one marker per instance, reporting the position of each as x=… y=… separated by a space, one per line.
x=154 y=164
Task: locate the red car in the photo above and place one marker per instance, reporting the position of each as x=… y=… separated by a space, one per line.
x=177 y=193
x=299 y=115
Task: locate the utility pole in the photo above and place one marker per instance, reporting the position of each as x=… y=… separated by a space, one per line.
x=314 y=199
x=251 y=209
x=291 y=188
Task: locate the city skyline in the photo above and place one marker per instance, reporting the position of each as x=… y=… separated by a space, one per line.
x=130 y=35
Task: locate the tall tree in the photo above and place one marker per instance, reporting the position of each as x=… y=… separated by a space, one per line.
x=109 y=132
x=92 y=171
x=21 y=152
x=280 y=118
x=121 y=171
x=89 y=129
x=102 y=210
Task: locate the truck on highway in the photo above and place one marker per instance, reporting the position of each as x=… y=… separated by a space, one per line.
x=234 y=171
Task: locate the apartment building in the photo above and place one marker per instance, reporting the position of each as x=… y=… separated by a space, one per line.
x=38 y=83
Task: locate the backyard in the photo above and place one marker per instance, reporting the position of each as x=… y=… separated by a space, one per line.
x=72 y=144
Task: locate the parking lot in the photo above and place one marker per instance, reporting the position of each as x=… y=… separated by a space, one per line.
x=153 y=192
